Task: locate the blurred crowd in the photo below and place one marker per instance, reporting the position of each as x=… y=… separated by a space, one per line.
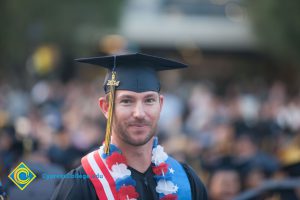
x=236 y=141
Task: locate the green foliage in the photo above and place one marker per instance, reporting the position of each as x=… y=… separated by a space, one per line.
x=277 y=25
x=69 y=24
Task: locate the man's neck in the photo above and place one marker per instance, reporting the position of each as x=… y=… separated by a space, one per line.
x=138 y=157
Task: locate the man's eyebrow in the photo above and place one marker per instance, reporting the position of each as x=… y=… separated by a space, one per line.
x=125 y=96
x=150 y=95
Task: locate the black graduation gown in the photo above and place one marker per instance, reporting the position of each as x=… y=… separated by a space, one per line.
x=83 y=188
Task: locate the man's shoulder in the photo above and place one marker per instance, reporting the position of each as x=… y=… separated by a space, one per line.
x=74 y=185
x=197 y=187
x=76 y=174
x=79 y=170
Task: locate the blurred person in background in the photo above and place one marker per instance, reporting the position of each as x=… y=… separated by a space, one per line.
x=3 y=195
x=224 y=182
x=42 y=187
x=62 y=151
x=247 y=152
x=130 y=164
x=11 y=149
x=285 y=184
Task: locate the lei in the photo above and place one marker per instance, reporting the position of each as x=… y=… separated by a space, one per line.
x=125 y=184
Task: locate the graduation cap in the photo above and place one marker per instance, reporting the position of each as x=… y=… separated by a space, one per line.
x=226 y=163
x=134 y=72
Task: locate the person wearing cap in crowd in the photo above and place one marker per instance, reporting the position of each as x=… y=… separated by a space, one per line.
x=287 y=186
x=224 y=181
x=131 y=165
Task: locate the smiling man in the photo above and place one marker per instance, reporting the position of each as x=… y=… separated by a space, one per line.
x=131 y=165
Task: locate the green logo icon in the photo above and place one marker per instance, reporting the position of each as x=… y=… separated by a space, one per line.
x=22 y=176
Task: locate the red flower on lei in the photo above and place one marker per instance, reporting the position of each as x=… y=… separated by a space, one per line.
x=162 y=167
x=115 y=158
x=127 y=192
x=169 y=197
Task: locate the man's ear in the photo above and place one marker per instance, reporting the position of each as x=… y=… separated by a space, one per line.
x=161 y=101
x=103 y=104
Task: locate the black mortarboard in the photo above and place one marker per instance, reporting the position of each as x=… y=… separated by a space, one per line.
x=225 y=163
x=136 y=72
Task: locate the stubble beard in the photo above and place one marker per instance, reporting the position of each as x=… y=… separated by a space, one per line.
x=121 y=132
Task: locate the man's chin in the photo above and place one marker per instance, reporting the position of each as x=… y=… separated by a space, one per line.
x=139 y=140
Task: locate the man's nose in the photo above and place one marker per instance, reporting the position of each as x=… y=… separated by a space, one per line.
x=139 y=111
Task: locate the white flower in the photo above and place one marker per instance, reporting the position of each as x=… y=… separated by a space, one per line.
x=101 y=149
x=166 y=187
x=119 y=171
x=158 y=155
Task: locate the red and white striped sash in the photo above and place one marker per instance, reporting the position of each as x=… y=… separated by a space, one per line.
x=100 y=176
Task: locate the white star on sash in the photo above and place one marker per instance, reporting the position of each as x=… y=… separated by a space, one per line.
x=171 y=170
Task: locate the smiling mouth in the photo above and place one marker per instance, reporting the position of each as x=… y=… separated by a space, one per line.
x=139 y=125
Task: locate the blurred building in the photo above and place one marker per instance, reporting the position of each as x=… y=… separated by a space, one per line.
x=205 y=24
x=214 y=37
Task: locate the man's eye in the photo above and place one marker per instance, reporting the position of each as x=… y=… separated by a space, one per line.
x=150 y=100
x=125 y=101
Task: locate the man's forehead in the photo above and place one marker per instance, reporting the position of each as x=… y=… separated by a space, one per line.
x=128 y=93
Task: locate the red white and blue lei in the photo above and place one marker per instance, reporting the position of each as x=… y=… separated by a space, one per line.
x=125 y=184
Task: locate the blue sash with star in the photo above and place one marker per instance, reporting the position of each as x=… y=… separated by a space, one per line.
x=179 y=178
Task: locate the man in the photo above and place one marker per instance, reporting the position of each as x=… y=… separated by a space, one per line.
x=131 y=165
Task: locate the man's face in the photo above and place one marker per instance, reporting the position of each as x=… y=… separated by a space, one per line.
x=136 y=116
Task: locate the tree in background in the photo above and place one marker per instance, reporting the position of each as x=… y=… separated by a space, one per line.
x=75 y=26
x=277 y=26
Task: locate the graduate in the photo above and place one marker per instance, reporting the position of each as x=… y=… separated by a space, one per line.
x=285 y=188
x=131 y=165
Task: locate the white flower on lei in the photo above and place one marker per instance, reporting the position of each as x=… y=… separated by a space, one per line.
x=119 y=171
x=101 y=149
x=158 y=155
x=166 y=187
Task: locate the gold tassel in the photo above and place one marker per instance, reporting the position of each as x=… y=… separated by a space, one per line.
x=111 y=99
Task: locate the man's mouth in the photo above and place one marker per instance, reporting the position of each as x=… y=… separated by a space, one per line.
x=139 y=124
